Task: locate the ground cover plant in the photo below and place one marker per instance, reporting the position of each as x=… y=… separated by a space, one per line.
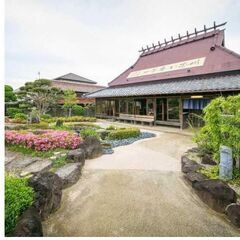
x=18 y=197
x=45 y=140
x=212 y=172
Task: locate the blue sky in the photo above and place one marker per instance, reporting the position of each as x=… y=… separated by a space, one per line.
x=99 y=39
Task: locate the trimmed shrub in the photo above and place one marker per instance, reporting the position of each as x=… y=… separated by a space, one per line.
x=45 y=116
x=72 y=119
x=111 y=127
x=18 y=197
x=88 y=132
x=78 y=110
x=124 y=133
x=20 y=116
x=11 y=112
x=59 y=123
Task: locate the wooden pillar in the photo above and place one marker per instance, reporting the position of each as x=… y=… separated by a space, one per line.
x=181 y=112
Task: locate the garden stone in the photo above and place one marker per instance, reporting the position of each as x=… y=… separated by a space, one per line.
x=20 y=163
x=207 y=159
x=29 y=224
x=103 y=133
x=69 y=173
x=215 y=193
x=233 y=213
x=77 y=155
x=194 y=177
x=92 y=147
x=48 y=189
x=189 y=165
x=194 y=150
x=42 y=165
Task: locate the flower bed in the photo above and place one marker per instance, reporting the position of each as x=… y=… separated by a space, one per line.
x=45 y=141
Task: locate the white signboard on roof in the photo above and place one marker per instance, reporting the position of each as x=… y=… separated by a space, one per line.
x=196 y=62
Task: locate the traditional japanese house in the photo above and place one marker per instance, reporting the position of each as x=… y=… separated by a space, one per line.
x=78 y=84
x=172 y=81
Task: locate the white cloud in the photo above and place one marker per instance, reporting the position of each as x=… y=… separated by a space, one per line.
x=98 y=39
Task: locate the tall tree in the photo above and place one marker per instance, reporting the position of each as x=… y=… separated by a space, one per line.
x=70 y=100
x=10 y=96
x=40 y=94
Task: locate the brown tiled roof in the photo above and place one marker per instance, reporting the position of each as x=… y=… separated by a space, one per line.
x=75 y=78
x=77 y=87
x=218 y=83
x=208 y=46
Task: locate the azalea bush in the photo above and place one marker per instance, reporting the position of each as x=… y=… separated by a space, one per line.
x=222 y=127
x=44 y=140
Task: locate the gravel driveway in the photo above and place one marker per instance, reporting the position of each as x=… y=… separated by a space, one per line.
x=137 y=191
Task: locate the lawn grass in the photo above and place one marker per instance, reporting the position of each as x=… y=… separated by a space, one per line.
x=32 y=152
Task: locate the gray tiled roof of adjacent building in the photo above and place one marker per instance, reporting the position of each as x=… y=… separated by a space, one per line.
x=176 y=86
x=75 y=77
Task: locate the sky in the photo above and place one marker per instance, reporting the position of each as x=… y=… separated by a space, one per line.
x=99 y=39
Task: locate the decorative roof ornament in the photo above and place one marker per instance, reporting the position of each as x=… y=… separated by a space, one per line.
x=175 y=41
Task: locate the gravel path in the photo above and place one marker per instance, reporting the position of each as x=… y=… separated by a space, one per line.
x=137 y=191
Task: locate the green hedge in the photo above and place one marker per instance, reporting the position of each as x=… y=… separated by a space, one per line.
x=20 y=116
x=18 y=197
x=88 y=132
x=124 y=133
x=71 y=119
x=11 y=112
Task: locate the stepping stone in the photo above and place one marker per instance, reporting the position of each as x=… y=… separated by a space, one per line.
x=10 y=156
x=17 y=164
x=38 y=166
x=69 y=173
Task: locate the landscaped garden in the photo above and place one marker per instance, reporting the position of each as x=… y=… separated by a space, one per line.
x=44 y=150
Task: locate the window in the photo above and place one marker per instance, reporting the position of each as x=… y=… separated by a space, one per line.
x=173 y=109
x=122 y=106
x=130 y=107
x=140 y=106
x=150 y=109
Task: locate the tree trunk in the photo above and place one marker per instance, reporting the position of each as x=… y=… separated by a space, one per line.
x=70 y=112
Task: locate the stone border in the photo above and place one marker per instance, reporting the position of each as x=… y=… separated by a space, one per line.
x=214 y=192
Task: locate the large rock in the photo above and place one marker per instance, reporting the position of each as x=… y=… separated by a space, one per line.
x=92 y=147
x=29 y=224
x=69 y=173
x=76 y=156
x=189 y=165
x=48 y=188
x=207 y=159
x=103 y=133
x=194 y=177
x=215 y=193
x=233 y=213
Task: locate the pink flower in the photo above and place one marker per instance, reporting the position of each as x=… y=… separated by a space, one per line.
x=48 y=139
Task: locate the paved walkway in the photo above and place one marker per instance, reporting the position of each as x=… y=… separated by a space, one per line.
x=137 y=191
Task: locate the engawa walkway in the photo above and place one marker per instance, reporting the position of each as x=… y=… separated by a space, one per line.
x=137 y=191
